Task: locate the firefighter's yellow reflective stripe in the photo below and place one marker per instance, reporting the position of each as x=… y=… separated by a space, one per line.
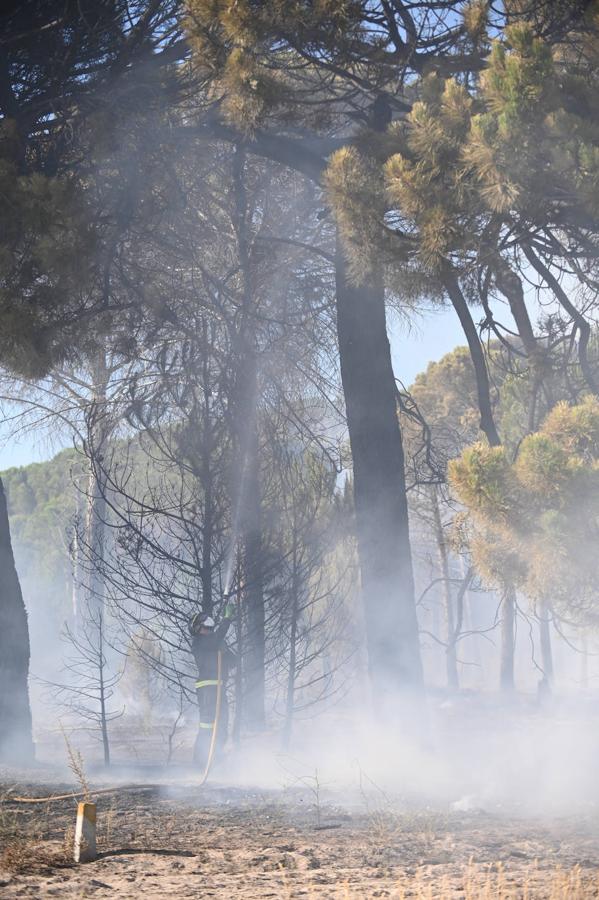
x=210 y=682
x=206 y=724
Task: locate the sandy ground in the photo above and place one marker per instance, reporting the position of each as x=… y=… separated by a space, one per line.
x=179 y=841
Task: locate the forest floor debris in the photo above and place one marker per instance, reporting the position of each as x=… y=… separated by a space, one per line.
x=182 y=842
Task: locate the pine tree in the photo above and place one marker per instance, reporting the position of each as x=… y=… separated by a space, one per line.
x=274 y=68
x=532 y=523
x=61 y=62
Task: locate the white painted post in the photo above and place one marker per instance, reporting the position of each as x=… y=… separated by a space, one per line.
x=85 y=833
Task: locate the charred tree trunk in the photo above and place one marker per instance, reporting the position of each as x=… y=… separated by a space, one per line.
x=295 y=603
x=472 y=623
x=254 y=587
x=16 y=742
x=238 y=668
x=247 y=494
x=94 y=528
x=483 y=389
x=249 y=491
x=206 y=468
x=511 y=287
x=76 y=603
x=249 y=500
x=98 y=431
x=379 y=486
x=584 y=328
x=451 y=665
x=102 y=692
x=508 y=621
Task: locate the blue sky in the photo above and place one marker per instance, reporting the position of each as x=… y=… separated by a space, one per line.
x=27 y=449
x=429 y=337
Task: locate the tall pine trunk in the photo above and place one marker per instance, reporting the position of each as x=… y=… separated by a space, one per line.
x=94 y=536
x=239 y=648
x=473 y=625
x=98 y=434
x=379 y=487
x=103 y=692
x=248 y=439
x=247 y=527
x=451 y=664
x=16 y=742
x=508 y=621
x=207 y=478
x=254 y=699
x=295 y=605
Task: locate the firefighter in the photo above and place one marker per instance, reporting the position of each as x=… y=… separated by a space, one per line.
x=207 y=640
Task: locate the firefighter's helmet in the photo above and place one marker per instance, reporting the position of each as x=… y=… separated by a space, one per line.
x=200 y=620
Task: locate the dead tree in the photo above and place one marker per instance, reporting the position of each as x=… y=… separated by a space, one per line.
x=309 y=617
x=90 y=681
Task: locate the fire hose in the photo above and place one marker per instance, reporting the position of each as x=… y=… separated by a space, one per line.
x=215 y=724
x=75 y=795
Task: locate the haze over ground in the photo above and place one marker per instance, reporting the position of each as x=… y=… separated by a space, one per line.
x=338 y=602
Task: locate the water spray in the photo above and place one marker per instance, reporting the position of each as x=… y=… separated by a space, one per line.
x=232 y=550
x=228 y=580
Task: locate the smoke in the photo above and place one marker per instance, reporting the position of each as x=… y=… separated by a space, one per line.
x=471 y=755
x=463 y=752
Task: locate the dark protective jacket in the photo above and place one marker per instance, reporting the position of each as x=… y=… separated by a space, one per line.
x=205 y=649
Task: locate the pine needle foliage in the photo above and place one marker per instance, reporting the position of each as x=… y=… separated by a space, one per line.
x=255 y=72
x=534 y=523
x=46 y=253
x=491 y=135
x=428 y=185
x=355 y=192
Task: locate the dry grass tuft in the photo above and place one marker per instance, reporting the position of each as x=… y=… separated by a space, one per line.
x=17 y=855
x=8 y=819
x=77 y=766
x=488 y=883
x=26 y=856
x=30 y=840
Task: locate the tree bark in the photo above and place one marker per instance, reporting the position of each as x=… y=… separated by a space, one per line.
x=207 y=481
x=254 y=699
x=483 y=390
x=379 y=487
x=250 y=487
x=247 y=494
x=473 y=624
x=98 y=432
x=295 y=602
x=102 y=688
x=582 y=325
x=508 y=610
x=239 y=667
x=16 y=741
x=511 y=287
x=94 y=528
x=451 y=665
